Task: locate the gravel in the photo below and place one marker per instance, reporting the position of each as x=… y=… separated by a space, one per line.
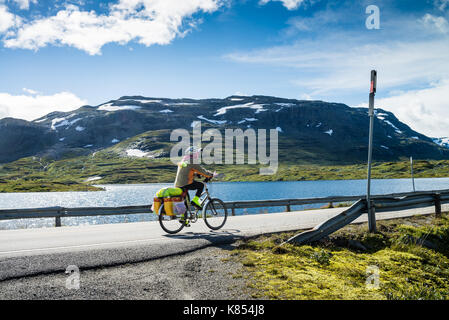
x=207 y=273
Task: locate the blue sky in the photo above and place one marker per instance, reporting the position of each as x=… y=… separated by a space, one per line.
x=58 y=55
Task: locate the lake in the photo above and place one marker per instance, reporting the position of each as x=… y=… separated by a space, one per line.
x=142 y=194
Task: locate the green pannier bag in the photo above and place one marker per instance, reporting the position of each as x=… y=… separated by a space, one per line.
x=169 y=192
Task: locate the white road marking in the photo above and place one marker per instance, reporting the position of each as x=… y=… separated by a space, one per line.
x=80 y=246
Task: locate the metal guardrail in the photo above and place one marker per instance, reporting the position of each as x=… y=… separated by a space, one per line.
x=383 y=203
x=396 y=201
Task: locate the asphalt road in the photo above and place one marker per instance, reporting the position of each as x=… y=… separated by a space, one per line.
x=48 y=250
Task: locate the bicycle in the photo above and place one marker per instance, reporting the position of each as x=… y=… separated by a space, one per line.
x=213 y=211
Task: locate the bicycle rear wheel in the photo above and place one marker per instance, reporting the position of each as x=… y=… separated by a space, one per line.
x=171 y=224
x=215 y=214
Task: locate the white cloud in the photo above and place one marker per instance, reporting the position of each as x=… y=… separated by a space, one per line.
x=423 y=110
x=7 y=19
x=438 y=24
x=148 y=22
x=441 y=4
x=24 y=4
x=289 y=4
x=325 y=66
x=30 y=107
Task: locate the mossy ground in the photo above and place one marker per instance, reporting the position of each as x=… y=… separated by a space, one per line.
x=37 y=174
x=332 y=270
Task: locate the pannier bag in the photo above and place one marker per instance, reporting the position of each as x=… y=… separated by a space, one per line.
x=174 y=206
x=157 y=202
x=172 y=199
x=179 y=207
x=169 y=192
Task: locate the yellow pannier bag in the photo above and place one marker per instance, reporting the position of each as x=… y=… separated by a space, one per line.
x=157 y=202
x=168 y=206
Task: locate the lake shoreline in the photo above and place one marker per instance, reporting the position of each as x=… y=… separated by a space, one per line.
x=22 y=176
x=99 y=187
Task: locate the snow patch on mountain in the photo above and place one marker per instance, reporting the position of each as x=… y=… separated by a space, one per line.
x=212 y=121
x=93 y=179
x=443 y=142
x=392 y=125
x=137 y=153
x=111 y=108
x=258 y=107
x=380 y=115
x=247 y=119
x=282 y=104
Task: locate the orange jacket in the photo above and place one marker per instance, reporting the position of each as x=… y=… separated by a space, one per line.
x=186 y=172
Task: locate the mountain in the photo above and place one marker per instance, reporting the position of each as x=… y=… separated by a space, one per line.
x=309 y=131
x=20 y=138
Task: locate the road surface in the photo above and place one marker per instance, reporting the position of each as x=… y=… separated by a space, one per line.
x=47 y=250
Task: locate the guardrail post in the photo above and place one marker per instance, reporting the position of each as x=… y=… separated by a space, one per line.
x=288 y=208
x=233 y=210
x=372 y=217
x=437 y=204
x=58 y=221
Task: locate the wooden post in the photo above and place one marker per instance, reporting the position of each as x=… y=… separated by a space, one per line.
x=437 y=204
x=233 y=210
x=288 y=208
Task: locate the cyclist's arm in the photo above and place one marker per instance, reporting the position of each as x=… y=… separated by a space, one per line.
x=197 y=169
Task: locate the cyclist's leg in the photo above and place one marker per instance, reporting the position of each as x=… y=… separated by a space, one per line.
x=186 y=217
x=199 y=187
x=195 y=185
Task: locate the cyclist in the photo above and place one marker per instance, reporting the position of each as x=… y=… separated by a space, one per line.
x=186 y=172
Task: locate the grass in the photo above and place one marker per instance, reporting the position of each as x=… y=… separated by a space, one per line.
x=39 y=174
x=408 y=268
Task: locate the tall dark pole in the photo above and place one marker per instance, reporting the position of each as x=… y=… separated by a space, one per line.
x=411 y=169
x=371 y=212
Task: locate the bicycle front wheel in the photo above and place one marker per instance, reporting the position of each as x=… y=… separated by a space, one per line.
x=170 y=224
x=215 y=214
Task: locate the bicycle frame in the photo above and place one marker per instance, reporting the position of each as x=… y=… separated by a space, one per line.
x=204 y=197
